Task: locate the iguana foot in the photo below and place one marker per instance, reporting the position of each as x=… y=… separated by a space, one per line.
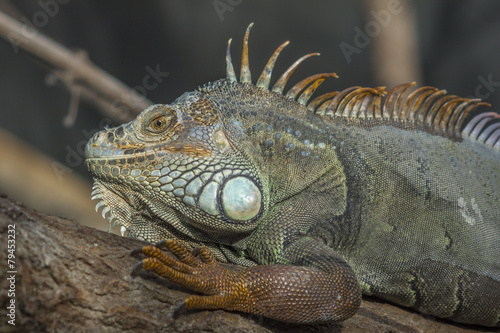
x=197 y=270
x=289 y=293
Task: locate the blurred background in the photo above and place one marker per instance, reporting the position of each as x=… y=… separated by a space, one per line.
x=449 y=44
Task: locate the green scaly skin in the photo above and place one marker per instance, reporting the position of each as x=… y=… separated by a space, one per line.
x=315 y=207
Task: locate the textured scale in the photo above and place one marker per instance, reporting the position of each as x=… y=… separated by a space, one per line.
x=395 y=193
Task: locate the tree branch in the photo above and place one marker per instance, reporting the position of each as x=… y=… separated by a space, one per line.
x=70 y=278
x=108 y=92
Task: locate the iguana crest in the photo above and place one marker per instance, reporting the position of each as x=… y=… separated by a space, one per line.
x=426 y=108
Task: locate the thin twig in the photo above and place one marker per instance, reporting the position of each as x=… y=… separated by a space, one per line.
x=76 y=68
x=74 y=101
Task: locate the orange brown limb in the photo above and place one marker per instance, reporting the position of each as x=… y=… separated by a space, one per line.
x=201 y=273
x=269 y=290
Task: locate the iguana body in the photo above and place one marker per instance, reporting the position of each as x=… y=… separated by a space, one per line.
x=356 y=190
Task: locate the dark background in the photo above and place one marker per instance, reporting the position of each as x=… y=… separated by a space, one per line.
x=458 y=49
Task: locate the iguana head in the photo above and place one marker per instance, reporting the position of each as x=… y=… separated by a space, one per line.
x=175 y=169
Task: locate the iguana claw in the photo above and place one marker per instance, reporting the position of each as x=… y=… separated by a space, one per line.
x=179 y=309
x=136 y=252
x=137 y=267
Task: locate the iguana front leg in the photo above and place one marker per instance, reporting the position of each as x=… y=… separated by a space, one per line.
x=289 y=293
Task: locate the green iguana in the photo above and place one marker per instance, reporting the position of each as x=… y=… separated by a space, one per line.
x=390 y=193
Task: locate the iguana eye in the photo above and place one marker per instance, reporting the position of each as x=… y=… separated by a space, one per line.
x=159 y=124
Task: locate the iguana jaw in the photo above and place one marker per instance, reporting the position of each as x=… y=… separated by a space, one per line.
x=142 y=217
x=104 y=195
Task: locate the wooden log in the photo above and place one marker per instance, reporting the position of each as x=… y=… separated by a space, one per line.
x=64 y=277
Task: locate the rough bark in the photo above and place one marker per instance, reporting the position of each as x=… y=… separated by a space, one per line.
x=71 y=278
